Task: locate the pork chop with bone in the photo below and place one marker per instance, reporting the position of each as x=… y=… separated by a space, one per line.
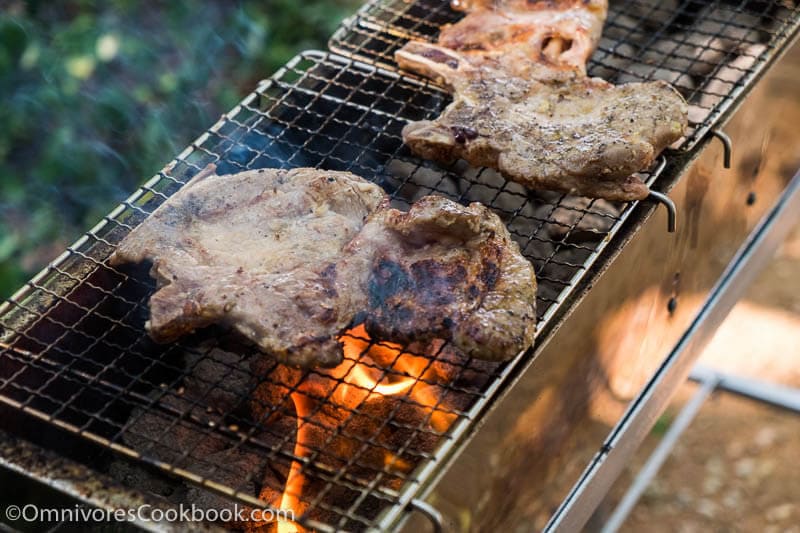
x=292 y=259
x=524 y=105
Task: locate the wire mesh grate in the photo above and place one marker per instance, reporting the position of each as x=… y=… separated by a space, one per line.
x=73 y=351
x=710 y=51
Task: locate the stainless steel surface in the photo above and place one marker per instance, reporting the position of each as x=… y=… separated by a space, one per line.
x=644 y=410
x=561 y=413
x=74 y=356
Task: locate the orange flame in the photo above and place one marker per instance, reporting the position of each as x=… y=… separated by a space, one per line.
x=361 y=377
x=424 y=393
x=356 y=382
x=420 y=373
x=357 y=348
x=290 y=499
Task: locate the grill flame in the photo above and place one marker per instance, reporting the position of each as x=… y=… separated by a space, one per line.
x=360 y=378
x=290 y=499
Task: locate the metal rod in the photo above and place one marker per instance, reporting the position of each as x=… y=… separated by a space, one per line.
x=774 y=394
x=727 y=146
x=672 y=211
x=660 y=454
x=430 y=513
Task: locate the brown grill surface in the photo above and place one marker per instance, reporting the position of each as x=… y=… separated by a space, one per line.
x=214 y=412
x=710 y=50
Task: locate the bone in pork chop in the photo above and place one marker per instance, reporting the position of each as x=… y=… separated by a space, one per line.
x=523 y=104
x=292 y=259
x=523 y=37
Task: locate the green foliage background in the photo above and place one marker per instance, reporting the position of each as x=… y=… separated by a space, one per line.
x=98 y=95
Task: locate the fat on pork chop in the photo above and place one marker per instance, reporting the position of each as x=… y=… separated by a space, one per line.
x=526 y=38
x=293 y=258
x=524 y=105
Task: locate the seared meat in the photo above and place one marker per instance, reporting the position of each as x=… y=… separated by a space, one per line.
x=576 y=135
x=291 y=259
x=523 y=105
x=520 y=34
x=250 y=251
x=442 y=270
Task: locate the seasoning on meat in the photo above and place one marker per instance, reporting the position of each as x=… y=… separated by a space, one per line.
x=517 y=72
x=293 y=258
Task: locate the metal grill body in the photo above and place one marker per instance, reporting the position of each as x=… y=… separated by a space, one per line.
x=213 y=413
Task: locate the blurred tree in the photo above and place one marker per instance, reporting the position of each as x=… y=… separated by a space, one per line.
x=98 y=96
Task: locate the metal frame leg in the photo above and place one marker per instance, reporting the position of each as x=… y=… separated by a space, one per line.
x=762 y=391
x=709 y=380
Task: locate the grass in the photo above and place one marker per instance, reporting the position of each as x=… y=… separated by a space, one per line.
x=98 y=96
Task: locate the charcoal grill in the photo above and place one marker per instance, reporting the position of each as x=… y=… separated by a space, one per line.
x=634 y=48
x=79 y=376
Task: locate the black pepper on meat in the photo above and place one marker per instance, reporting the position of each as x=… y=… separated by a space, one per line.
x=293 y=258
x=543 y=123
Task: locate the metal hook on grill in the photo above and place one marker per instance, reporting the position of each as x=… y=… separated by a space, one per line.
x=658 y=168
x=672 y=211
x=430 y=513
x=727 y=146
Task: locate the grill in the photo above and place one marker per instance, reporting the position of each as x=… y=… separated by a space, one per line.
x=690 y=44
x=211 y=412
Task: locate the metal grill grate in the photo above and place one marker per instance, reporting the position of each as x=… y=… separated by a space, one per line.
x=73 y=352
x=710 y=51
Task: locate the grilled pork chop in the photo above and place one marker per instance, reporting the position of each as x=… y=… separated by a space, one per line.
x=291 y=259
x=442 y=270
x=520 y=35
x=524 y=105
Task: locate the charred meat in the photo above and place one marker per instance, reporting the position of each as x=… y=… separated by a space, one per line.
x=291 y=259
x=521 y=35
x=446 y=271
x=523 y=104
